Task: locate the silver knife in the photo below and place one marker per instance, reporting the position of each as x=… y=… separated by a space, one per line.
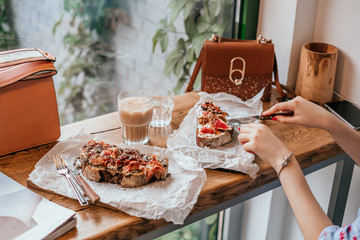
x=83 y=184
x=248 y=119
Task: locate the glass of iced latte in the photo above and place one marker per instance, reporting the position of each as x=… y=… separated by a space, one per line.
x=135 y=111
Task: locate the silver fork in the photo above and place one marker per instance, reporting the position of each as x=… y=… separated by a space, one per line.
x=63 y=170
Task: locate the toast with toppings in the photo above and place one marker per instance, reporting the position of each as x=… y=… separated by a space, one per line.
x=102 y=162
x=212 y=128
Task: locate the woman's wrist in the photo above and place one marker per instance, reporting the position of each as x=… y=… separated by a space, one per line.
x=291 y=170
x=329 y=121
x=284 y=163
x=279 y=159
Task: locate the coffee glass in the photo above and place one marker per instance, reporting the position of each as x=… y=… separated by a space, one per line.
x=135 y=109
x=163 y=102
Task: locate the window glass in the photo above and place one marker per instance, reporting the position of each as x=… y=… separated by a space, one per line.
x=104 y=47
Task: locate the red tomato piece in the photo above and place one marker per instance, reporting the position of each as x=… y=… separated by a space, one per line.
x=221 y=125
x=206 y=130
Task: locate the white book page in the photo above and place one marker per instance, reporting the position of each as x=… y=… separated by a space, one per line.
x=26 y=215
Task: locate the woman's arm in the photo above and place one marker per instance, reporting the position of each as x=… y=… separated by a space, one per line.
x=308 y=213
x=309 y=114
x=346 y=137
x=311 y=218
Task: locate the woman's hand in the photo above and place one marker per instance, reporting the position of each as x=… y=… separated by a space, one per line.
x=306 y=113
x=259 y=139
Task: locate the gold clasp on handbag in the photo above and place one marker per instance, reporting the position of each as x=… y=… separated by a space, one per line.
x=261 y=39
x=237 y=81
x=214 y=38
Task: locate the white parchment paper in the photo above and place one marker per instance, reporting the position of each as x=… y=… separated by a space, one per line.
x=171 y=199
x=229 y=156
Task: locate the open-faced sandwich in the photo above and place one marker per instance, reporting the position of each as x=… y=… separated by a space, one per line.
x=212 y=128
x=102 y=162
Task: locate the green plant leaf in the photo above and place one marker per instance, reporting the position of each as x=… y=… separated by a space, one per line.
x=215 y=9
x=190 y=27
x=203 y=25
x=164 y=42
x=155 y=39
x=171 y=60
x=171 y=27
x=197 y=84
x=205 y=13
x=162 y=23
x=162 y=37
x=179 y=65
x=187 y=9
x=190 y=55
x=217 y=29
x=176 y=7
x=57 y=24
x=201 y=19
x=179 y=86
x=70 y=4
x=186 y=69
x=181 y=45
x=198 y=41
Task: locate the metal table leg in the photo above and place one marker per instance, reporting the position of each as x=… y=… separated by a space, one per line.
x=340 y=190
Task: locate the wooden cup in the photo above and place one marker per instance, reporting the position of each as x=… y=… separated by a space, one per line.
x=316 y=76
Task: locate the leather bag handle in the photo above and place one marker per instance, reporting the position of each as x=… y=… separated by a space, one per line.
x=190 y=86
x=276 y=79
x=26 y=71
x=23 y=55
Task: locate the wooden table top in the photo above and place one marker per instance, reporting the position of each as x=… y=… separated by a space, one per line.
x=310 y=146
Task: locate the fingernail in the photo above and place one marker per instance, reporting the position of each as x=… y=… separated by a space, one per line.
x=274 y=118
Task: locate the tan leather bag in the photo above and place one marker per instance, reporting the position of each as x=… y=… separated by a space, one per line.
x=238 y=67
x=28 y=108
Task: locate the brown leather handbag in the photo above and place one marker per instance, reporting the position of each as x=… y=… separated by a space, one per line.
x=238 y=67
x=28 y=107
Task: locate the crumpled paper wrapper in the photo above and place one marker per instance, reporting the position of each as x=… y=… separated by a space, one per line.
x=172 y=199
x=230 y=156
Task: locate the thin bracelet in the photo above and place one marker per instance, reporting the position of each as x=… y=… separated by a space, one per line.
x=284 y=163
